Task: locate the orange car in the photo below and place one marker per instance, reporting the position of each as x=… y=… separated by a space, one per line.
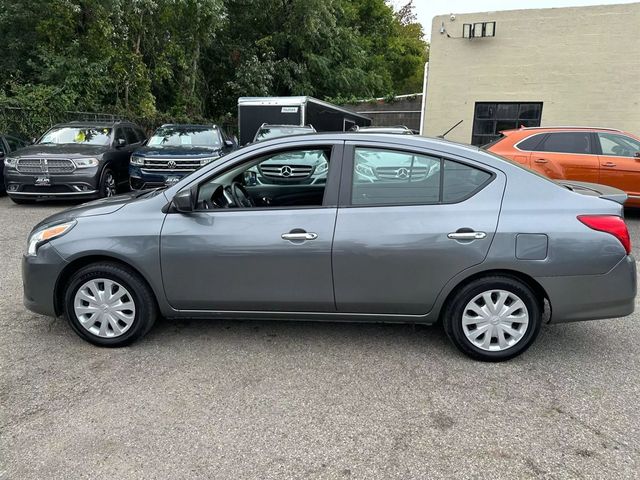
x=597 y=155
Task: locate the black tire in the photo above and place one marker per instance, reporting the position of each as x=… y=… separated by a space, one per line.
x=454 y=311
x=146 y=309
x=108 y=183
x=22 y=201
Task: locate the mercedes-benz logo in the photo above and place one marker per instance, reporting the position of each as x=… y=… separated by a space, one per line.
x=402 y=173
x=172 y=164
x=286 y=171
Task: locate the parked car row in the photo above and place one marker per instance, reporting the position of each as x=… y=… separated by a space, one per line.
x=85 y=160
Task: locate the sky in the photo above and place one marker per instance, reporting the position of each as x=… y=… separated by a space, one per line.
x=427 y=9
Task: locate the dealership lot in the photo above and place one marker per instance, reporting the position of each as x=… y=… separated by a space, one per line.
x=231 y=399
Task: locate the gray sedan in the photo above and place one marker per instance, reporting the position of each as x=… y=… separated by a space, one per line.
x=402 y=229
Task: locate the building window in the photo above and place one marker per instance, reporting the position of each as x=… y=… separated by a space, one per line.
x=490 y=118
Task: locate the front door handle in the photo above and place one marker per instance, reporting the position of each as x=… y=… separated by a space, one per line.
x=541 y=160
x=299 y=236
x=609 y=164
x=467 y=235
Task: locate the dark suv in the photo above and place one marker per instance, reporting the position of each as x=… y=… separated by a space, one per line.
x=8 y=144
x=73 y=160
x=174 y=151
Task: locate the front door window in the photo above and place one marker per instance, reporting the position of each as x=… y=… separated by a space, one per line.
x=292 y=178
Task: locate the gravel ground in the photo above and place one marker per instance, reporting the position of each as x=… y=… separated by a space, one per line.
x=224 y=399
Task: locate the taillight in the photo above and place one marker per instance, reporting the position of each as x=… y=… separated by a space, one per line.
x=611 y=224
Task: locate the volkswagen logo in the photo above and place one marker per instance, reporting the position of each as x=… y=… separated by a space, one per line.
x=402 y=173
x=172 y=164
x=286 y=171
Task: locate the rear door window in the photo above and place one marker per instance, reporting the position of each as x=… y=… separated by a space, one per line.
x=567 y=142
x=391 y=177
x=383 y=177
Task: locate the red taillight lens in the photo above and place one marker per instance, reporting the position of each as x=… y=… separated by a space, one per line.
x=610 y=224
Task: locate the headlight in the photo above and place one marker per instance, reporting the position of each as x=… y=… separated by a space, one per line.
x=42 y=236
x=10 y=162
x=136 y=160
x=365 y=170
x=204 y=161
x=321 y=169
x=86 y=162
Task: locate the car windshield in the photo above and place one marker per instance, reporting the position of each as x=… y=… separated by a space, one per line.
x=281 y=131
x=185 y=137
x=79 y=135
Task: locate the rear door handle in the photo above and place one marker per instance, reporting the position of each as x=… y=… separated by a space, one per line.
x=297 y=237
x=609 y=164
x=467 y=235
x=541 y=160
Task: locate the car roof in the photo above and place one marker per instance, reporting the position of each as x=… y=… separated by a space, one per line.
x=404 y=130
x=189 y=125
x=271 y=125
x=77 y=123
x=559 y=129
x=419 y=141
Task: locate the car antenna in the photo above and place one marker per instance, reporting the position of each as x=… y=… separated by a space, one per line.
x=447 y=132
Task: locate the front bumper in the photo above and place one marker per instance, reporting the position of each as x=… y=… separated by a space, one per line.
x=79 y=184
x=592 y=297
x=140 y=179
x=39 y=277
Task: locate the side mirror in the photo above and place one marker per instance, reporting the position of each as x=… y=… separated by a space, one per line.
x=250 y=178
x=120 y=142
x=185 y=200
x=228 y=143
x=33 y=140
x=636 y=155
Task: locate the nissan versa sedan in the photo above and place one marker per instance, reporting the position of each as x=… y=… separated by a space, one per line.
x=478 y=244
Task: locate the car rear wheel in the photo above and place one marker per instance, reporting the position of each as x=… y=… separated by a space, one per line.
x=108 y=183
x=493 y=318
x=109 y=305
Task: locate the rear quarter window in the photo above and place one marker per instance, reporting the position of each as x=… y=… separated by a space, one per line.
x=461 y=181
x=531 y=144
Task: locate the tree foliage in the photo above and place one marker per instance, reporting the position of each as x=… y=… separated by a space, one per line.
x=192 y=58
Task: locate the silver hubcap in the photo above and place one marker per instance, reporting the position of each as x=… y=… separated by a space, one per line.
x=109 y=185
x=495 y=320
x=104 y=307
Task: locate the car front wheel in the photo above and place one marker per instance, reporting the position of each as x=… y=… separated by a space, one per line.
x=493 y=318
x=108 y=183
x=109 y=305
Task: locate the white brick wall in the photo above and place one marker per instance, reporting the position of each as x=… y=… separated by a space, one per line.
x=583 y=63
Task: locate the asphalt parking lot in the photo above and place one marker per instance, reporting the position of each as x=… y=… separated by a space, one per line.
x=212 y=399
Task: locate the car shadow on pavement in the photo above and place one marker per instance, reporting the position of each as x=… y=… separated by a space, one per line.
x=554 y=342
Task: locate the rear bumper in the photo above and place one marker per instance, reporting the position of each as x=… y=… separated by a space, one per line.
x=592 y=297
